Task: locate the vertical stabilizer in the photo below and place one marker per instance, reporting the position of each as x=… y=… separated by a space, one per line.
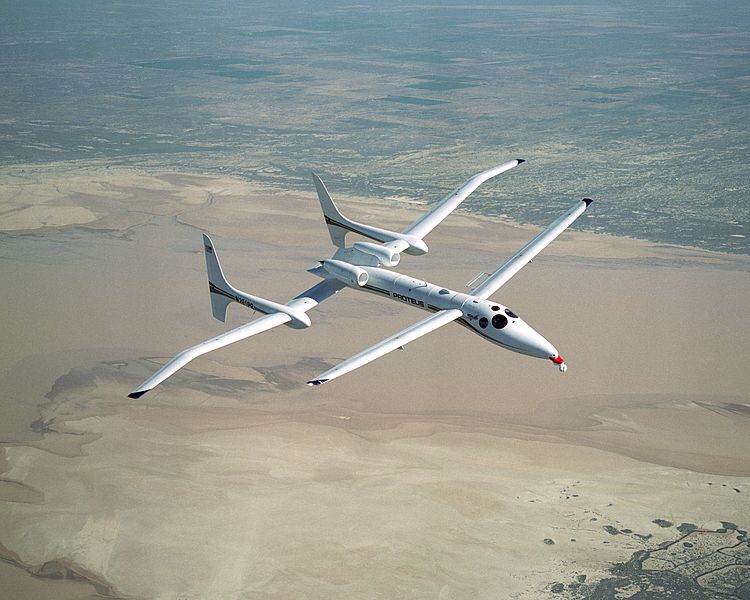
x=217 y=283
x=337 y=223
x=223 y=292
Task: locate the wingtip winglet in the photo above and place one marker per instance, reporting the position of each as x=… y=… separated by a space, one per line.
x=587 y=201
x=520 y=160
x=136 y=395
x=316 y=382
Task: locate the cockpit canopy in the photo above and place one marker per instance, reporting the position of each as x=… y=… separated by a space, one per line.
x=498 y=319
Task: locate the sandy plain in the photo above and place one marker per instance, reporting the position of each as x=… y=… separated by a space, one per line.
x=453 y=469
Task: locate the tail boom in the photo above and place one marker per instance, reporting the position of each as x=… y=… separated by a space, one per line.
x=411 y=240
x=339 y=226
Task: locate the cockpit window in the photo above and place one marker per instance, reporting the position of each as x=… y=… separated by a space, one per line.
x=511 y=314
x=499 y=321
x=443 y=292
x=483 y=322
x=495 y=307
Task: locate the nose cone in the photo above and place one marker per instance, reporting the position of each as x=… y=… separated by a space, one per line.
x=532 y=343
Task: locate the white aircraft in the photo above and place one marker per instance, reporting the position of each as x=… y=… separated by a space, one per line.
x=364 y=265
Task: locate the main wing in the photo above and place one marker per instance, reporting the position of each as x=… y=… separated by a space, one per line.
x=390 y=344
x=409 y=240
x=303 y=302
x=525 y=255
x=427 y=222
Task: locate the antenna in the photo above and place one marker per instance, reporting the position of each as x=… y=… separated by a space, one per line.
x=476 y=278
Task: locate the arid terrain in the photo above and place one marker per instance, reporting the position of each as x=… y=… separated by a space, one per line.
x=453 y=469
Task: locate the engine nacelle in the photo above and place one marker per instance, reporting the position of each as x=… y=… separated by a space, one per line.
x=388 y=257
x=346 y=272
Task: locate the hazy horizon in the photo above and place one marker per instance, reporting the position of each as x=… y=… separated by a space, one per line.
x=642 y=107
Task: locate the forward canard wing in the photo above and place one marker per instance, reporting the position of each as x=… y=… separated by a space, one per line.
x=409 y=240
x=396 y=341
x=526 y=254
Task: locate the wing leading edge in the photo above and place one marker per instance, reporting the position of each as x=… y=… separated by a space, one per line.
x=427 y=222
x=390 y=344
x=303 y=302
x=409 y=240
x=525 y=255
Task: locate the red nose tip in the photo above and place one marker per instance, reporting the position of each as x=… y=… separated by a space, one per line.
x=558 y=360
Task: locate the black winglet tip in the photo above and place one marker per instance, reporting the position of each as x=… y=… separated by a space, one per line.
x=520 y=160
x=316 y=382
x=136 y=395
x=587 y=201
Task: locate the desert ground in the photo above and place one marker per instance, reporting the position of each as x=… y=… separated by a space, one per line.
x=453 y=469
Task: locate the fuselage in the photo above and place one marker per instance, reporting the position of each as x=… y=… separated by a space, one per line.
x=493 y=321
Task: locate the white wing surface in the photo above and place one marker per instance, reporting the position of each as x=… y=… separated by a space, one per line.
x=184 y=357
x=390 y=344
x=427 y=222
x=519 y=260
x=410 y=240
x=316 y=294
x=303 y=302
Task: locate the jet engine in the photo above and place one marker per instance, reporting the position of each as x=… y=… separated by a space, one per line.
x=388 y=257
x=346 y=272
